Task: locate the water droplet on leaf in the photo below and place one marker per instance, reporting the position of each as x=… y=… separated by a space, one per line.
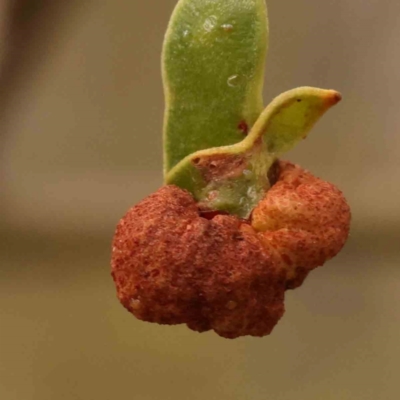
x=251 y=193
x=209 y=23
x=233 y=80
x=227 y=27
x=247 y=173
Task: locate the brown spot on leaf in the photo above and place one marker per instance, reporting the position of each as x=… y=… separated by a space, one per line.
x=221 y=166
x=273 y=173
x=243 y=127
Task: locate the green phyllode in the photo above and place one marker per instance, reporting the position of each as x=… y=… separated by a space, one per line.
x=219 y=144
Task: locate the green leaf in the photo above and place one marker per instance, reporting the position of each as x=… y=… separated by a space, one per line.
x=290 y=116
x=213 y=67
x=235 y=178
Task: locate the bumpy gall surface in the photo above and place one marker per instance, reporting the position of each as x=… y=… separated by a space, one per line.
x=305 y=218
x=171 y=265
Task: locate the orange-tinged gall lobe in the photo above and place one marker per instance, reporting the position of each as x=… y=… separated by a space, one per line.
x=307 y=218
x=171 y=265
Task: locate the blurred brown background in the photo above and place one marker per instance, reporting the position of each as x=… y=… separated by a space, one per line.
x=81 y=108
